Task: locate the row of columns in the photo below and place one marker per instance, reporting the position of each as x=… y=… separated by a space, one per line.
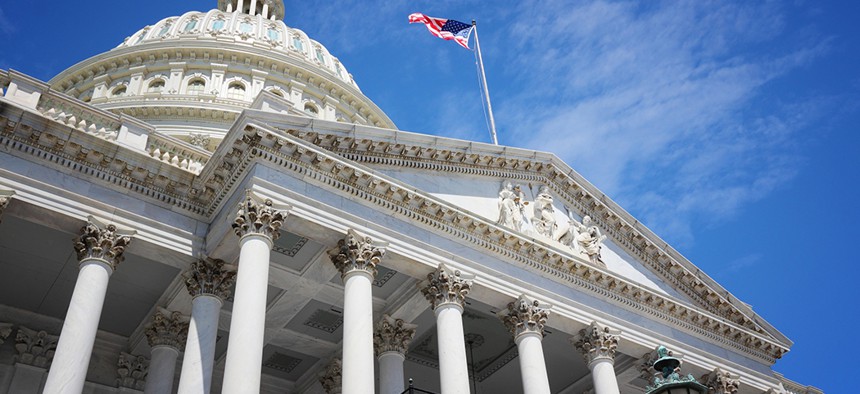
x=257 y=224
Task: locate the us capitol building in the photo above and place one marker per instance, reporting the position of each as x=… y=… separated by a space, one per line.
x=213 y=206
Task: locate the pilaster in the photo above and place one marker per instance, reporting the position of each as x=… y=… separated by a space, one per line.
x=131 y=371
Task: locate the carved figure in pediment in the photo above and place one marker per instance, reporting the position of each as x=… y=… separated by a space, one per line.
x=544 y=219
x=585 y=238
x=512 y=207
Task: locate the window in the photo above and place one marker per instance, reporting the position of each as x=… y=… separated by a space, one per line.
x=163 y=30
x=118 y=91
x=218 y=24
x=190 y=25
x=245 y=27
x=297 y=42
x=311 y=109
x=236 y=91
x=320 y=55
x=273 y=34
x=195 y=86
x=277 y=92
x=156 y=86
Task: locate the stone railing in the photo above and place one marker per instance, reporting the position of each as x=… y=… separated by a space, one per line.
x=177 y=153
x=76 y=114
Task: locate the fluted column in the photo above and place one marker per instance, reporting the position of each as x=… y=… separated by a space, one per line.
x=166 y=335
x=330 y=379
x=99 y=249
x=597 y=344
x=257 y=224
x=390 y=340
x=209 y=282
x=525 y=319
x=356 y=258
x=446 y=290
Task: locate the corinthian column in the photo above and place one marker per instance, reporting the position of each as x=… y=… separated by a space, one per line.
x=390 y=341
x=356 y=258
x=166 y=335
x=209 y=282
x=525 y=319
x=258 y=225
x=446 y=290
x=597 y=344
x=99 y=249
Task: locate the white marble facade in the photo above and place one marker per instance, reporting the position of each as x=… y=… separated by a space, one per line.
x=242 y=248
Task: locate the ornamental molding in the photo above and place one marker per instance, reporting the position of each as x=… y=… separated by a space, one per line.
x=597 y=342
x=35 y=348
x=131 y=371
x=355 y=252
x=5 y=199
x=392 y=335
x=331 y=377
x=321 y=158
x=721 y=382
x=167 y=329
x=256 y=216
x=210 y=277
x=5 y=331
x=525 y=315
x=103 y=242
x=446 y=286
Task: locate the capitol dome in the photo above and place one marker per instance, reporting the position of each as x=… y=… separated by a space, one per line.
x=191 y=75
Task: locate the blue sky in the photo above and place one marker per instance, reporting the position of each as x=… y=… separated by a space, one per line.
x=728 y=128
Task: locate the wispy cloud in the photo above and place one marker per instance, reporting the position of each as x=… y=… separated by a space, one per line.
x=660 y=104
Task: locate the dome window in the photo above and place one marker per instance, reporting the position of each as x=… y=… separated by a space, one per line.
x=190 y=25
x=236 y=91
x=297 y=43
x=163 y=30
x=195 y=86
x=118 y=91
x=273 y=34
x=155 y=86
x=319 y=53
x=218 y=24
x=311 y=110
x=245 y=27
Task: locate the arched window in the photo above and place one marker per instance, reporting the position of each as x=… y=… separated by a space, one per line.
x=297 y=42
x=236 y=91
x=195 y=86
x=311 y=110
x=273 y=34
x=277 y=92
x=164 y=29
x=319 y=53
x=155 y=86
x=119 y=91
x=190 y=25
x=218 y=24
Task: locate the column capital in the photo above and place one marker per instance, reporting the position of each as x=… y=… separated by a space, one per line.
x=131 y=371
x=257 y=216
x=721 y=382
x=211 y=277
x=446 y=286
x=392 y=335
x=167 y=329
x=525 y=315
x=5 y=331
x=331 y=377
x=356 y=253
x=597 y=342
x=35 y=348
x=5 y=198
x=101 y=241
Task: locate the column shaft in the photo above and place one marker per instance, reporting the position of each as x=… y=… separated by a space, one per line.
x=248 y=324
x=72 y=358
x=199 y=359
x=453 y=371
x=532 y=364
x=358 y=374
x=603 y=374
x=391 y=377
x=162 y=368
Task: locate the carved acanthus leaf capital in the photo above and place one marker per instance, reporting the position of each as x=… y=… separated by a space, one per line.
x=261 y=217
x=525 y=315
x=35 y=348
x=167 y=329
x=597 y=342
x=355 y=252
x=444 y=286
x=102 y=241
x=5 y=331
x=5 y=198
x=131 y=371
x=210 y=277
x=331 y=377
x=721 y=382
x=393 y=335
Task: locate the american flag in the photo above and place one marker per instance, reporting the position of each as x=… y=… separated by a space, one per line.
x=446 y=29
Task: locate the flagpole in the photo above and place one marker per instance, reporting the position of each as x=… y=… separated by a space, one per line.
x=484 y=84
